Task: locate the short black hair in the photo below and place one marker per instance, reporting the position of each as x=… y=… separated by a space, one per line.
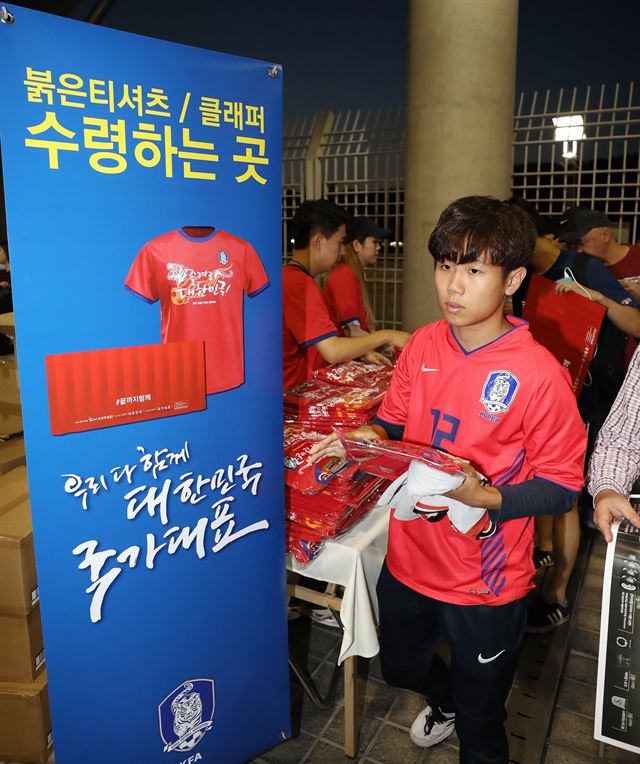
x=316 y=215
x=474 y=226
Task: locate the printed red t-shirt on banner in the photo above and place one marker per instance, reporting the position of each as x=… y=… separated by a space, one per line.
x=201 y=283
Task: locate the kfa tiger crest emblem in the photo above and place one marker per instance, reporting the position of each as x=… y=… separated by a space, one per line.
x=186 y=715
x=499 y=391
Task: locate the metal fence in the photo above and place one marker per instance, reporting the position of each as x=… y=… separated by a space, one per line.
x=605 y=171
x=356 y=158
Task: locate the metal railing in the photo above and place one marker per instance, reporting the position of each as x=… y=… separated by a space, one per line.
x=356 y=158
x=604 y=173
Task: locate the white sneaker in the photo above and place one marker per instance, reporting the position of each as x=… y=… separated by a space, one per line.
x=325 y=617
x=426 y=731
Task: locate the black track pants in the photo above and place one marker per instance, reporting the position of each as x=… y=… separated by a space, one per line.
x=484 y=642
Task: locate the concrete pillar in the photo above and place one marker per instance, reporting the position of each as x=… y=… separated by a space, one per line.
x=460 y=101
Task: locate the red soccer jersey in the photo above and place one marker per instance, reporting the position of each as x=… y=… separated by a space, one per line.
x=508 y=408
x=200 y=283
x=629 y=265
x=305 y=321
x=343 y=295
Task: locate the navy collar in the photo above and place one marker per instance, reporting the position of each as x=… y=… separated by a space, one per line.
x=521 y=323
x=296 y=264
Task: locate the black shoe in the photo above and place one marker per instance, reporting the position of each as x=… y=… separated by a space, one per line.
x=544 y=617
x=542 y=558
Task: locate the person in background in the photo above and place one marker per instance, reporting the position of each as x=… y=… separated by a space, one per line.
x=559 y=536
x=615 y=463
x=309 y=337
x=345 y=290
x=589 y=231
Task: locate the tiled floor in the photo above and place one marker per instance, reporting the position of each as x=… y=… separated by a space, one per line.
x=387 y=713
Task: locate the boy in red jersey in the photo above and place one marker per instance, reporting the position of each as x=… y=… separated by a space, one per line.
x=478 y=386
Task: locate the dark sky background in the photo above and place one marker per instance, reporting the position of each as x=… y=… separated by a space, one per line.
x=343 y=54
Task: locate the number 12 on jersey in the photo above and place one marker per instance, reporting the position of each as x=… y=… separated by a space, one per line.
x=441 y=434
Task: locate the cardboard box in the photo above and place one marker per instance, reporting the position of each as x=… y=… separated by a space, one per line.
x=25 y=721
x=9 y=382
x=12 y=454
x=10 y=418
x=19 y=589
x=14 y=489
x=22 y=654
x=10 y=409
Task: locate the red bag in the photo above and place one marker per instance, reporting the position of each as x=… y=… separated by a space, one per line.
x=566 y=324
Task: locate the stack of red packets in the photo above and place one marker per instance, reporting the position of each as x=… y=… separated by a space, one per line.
x=356 y=374
x=323 y=406
x=325 y=499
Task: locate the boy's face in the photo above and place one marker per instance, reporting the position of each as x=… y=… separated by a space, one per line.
x=471 y=294
x=326 y=251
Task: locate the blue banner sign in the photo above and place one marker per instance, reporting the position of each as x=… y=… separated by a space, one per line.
x=142 y=183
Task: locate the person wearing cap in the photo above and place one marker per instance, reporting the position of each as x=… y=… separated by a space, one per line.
x=345 y=290
x=309 y=337
x=559 y=536
x=590 y=231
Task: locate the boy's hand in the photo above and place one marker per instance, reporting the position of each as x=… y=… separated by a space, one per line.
x=473 y=493
x=374 y=357
x=331 y=445
x=609 y=507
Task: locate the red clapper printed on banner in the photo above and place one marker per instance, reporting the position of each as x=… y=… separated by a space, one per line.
x=566 y=324
x=105 y=388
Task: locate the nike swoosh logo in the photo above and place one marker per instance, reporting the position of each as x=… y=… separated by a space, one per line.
x=426 y=368
x=488 y=660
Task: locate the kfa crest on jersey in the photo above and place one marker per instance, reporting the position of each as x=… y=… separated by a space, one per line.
x=223 y=257
x=186 y=715
x=499 y=391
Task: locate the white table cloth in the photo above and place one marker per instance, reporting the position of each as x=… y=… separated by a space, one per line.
x=354 y=561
